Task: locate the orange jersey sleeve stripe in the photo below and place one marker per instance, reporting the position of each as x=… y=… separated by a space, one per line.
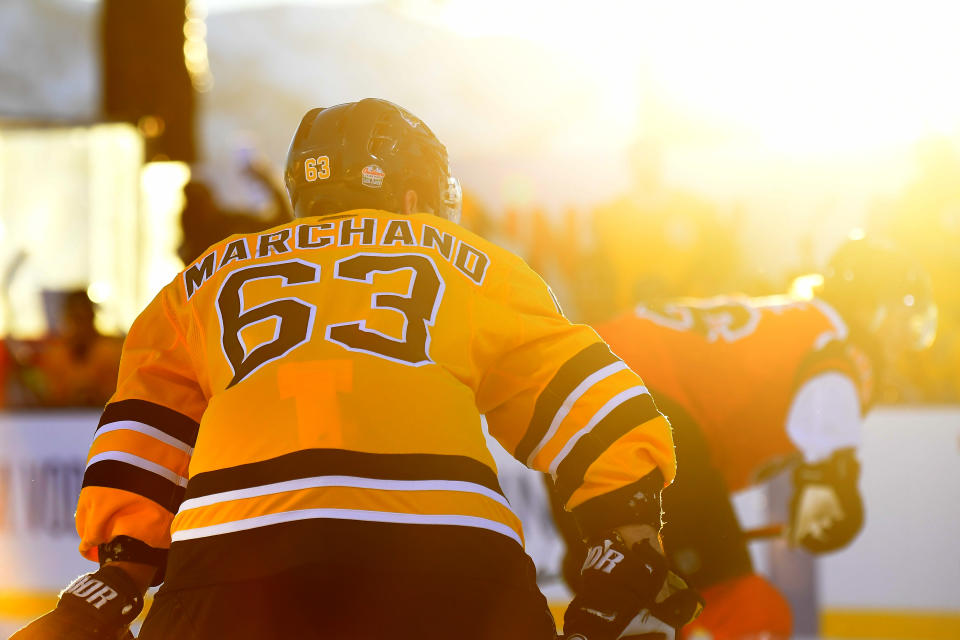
x=141 y=445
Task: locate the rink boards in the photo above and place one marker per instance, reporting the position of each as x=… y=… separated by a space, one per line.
x=900 y=578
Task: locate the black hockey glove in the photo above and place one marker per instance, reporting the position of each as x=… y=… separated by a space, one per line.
x=627 y=593
x=826 y=512
x=96 y=606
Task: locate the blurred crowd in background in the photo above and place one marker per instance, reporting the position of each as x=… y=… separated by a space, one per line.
x=660 y=243
x=654 y=241
x=650 y=244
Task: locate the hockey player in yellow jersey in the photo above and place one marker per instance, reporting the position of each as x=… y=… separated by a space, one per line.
x=295 y=448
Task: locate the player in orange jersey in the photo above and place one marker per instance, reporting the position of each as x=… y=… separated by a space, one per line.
x=756 y=385
x=296 y=436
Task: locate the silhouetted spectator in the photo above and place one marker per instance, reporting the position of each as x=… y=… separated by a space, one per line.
x=204 y=222
x=74 y=366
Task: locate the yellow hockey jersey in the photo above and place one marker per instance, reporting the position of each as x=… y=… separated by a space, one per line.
x=326 y=378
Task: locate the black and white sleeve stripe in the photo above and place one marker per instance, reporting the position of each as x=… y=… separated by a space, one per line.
x=131 y=472
x=621 y=414
x=571 y=381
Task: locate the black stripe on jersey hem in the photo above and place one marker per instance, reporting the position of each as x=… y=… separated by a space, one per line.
x=570 y=374
x=172 y=423
x=311 y=463
x=357 y=550
x=115 y=474
x=616 y=424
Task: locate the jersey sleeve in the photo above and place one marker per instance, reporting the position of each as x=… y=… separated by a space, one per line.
x=558 y=400
x=824 y=416
x=136 y=469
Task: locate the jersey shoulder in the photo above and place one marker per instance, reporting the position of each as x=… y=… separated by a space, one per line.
x=506 y=269
x=842 y=357
x=503 y=257
x=835 y=351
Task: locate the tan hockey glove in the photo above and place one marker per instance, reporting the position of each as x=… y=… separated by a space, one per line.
x=826 y=511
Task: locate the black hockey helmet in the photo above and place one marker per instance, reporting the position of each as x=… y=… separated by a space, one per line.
x=884 y=287
x=367 y=154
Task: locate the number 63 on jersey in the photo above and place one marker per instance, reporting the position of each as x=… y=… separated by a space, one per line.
x=295 y=316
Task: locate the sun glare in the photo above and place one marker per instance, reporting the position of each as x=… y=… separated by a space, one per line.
x=811 y=76
x=814 y=77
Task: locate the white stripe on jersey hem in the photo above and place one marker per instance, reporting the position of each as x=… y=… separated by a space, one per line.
x=137 y=461
x=342 y=481
x=344 y=514
x=145 y=429
x=604 y=411
x=570 y=400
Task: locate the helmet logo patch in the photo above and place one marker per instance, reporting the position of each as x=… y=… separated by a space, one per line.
x=372 y=176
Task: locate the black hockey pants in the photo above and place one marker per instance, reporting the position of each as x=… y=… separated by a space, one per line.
x=307 y=602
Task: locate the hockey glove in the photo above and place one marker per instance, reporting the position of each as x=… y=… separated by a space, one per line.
x=96 y=606
x=626 y=593
x=826 y=511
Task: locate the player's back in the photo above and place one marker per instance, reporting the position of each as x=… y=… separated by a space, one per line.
x=323 y=329
x=314 y=391
x=732 y=364
x=332 y=365
x=307 y=400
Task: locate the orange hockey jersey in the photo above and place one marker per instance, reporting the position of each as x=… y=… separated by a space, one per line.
x=733 y=364
x=333 y=370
